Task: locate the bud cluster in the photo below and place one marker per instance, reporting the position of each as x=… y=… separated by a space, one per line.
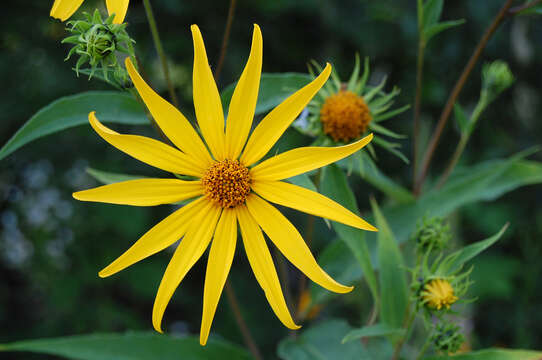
x=98 y=42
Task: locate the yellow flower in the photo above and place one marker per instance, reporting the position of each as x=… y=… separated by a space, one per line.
x=230 y=187
x=63 y=9
x=438 y=293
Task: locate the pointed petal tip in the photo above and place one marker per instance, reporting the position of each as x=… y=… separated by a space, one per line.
x=156 y=324
x=202 y=341
x=103 y=274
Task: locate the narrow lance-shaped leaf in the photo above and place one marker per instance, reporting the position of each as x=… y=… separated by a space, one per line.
x=109 y=177
x=393 y=286
x=372 y=331
x=335 y=186
x=133 y=346
x=70 y=111
x=494 y=354
x=455 y=260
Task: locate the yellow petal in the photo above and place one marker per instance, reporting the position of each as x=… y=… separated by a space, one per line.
x=277 y=121
x=143 y=192
x=172 y=122
x=288 y=240
x=188 y=252
x=159 y=237
x=299 y=198
x=207 y=99
x=152 y=152
x=263 y=267
x=63 y=9
x=117 y=7
x=243 y=101
x=218 y=267
x=301 y=160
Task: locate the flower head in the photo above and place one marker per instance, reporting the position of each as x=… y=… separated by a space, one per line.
x=97 y=42
x=231 y=186
x=345 y=111
x=64 y=9
x=438 y=293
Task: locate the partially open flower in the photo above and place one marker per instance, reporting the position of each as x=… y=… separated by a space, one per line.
x=345 y=111
x=438 y=294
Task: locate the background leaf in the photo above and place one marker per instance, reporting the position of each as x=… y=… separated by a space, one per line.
x=130 y=346
x=373 y=330
x=483 y=182
x=109 y=178
x=468 y=252
x=274 y=88
x=335 y=186
x=70 y=111
x=392 y=276
x=322 y=341
x=494 y=354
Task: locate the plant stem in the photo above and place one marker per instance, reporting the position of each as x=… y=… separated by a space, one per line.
x=247 y=336
x=224 y=46
x=424 y=348
x=408 y=325
x=418 y=98
x=518 y=9
x=461 y=145
x=160 y=50
x=455 y=93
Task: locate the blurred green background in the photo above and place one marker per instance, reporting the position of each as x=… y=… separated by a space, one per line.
x=52 y=247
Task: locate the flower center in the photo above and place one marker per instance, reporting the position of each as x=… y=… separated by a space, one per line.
x=345 y=116
x=227 y=183
x=438 y=293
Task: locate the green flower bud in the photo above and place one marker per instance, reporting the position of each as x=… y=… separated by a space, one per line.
x=496 y=77
x=433 y=233
x=447 y=337
x=98 y=42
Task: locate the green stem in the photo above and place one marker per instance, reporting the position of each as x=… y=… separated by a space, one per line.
x=424 y=348
x=462 y=142
x=160 y=50
x=409 y=326
x=225 y=39
x=247 y=336
x=419 y=81
x=428 y=156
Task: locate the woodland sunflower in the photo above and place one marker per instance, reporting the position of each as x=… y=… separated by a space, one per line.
x=345 y=111
x=63 y=9
x=229 y=186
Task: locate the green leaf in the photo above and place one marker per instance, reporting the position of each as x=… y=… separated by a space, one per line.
x=371 y=331
x=461 y=256
x=129 y=346
x=335 y=186
x=483 y=182
x=322 y=342
x=461 y=118
x=303 y=180
x=494 y=354
x=432 y=9
x=336 y=260
x=392 y=276
x=367 y=169
x=274 y=88
x=433 y=30
x=70 y=111
x=109 y=178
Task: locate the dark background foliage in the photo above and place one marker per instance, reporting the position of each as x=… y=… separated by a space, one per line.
x=51 y=247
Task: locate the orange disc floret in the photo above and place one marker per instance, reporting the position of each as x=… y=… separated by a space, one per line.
x=227 y=183
x=345 y=116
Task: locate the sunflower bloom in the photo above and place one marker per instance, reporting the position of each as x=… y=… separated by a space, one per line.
x=231 y=186
x=439 y=293
x=63 y=9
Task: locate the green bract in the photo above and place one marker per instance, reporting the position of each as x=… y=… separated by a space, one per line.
x=98 y=42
